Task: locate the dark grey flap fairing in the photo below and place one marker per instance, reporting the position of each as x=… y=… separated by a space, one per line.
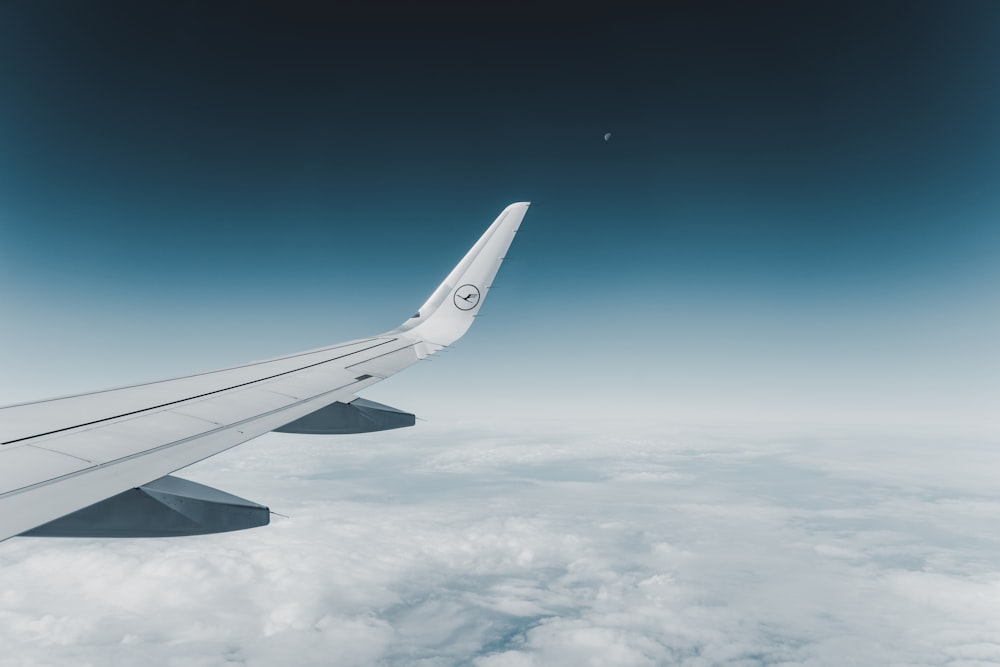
x=358 y=416
x=167 y=507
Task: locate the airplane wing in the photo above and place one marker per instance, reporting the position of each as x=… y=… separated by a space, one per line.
x=99 y=464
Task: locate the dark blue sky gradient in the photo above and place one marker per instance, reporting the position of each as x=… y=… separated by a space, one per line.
x=797 y=208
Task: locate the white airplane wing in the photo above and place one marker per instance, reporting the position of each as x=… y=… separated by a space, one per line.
x=99 y=464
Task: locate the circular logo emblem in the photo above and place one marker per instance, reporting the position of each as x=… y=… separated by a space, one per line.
x=467 y=297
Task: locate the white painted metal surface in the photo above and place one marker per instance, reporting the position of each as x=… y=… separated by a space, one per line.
x=60 y=455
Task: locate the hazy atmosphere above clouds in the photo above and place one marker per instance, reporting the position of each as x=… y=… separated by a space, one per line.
x=731 y=402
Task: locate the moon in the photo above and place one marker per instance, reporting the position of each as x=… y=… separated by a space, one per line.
x=607 y=136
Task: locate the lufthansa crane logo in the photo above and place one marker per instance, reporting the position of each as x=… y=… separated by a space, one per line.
x=467 y=297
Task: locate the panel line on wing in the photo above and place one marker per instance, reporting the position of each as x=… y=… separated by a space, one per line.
x=189 y=398
x=221 y=429
x=54 y=399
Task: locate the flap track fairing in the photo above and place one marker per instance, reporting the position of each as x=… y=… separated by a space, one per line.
x=358 y=416
x=166 y=507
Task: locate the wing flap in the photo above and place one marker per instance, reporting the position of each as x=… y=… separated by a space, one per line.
x=237 y=406
x=116 y=440
x=387 y=364
x=311 y=382
x=22 y=466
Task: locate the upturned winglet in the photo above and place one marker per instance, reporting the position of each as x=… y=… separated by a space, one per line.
x=450 y=310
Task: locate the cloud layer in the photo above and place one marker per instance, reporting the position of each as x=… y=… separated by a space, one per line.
x=479 y=545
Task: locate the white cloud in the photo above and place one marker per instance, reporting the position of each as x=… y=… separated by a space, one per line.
x=464 y=546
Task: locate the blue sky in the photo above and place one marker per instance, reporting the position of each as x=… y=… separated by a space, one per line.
x=795 y=215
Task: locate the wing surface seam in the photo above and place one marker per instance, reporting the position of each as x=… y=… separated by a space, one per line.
x=384 y=354
x=190 y=398
x=168 y=445
x=195 y=375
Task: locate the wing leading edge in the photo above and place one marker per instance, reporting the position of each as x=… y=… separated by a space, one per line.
x=91 y=451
